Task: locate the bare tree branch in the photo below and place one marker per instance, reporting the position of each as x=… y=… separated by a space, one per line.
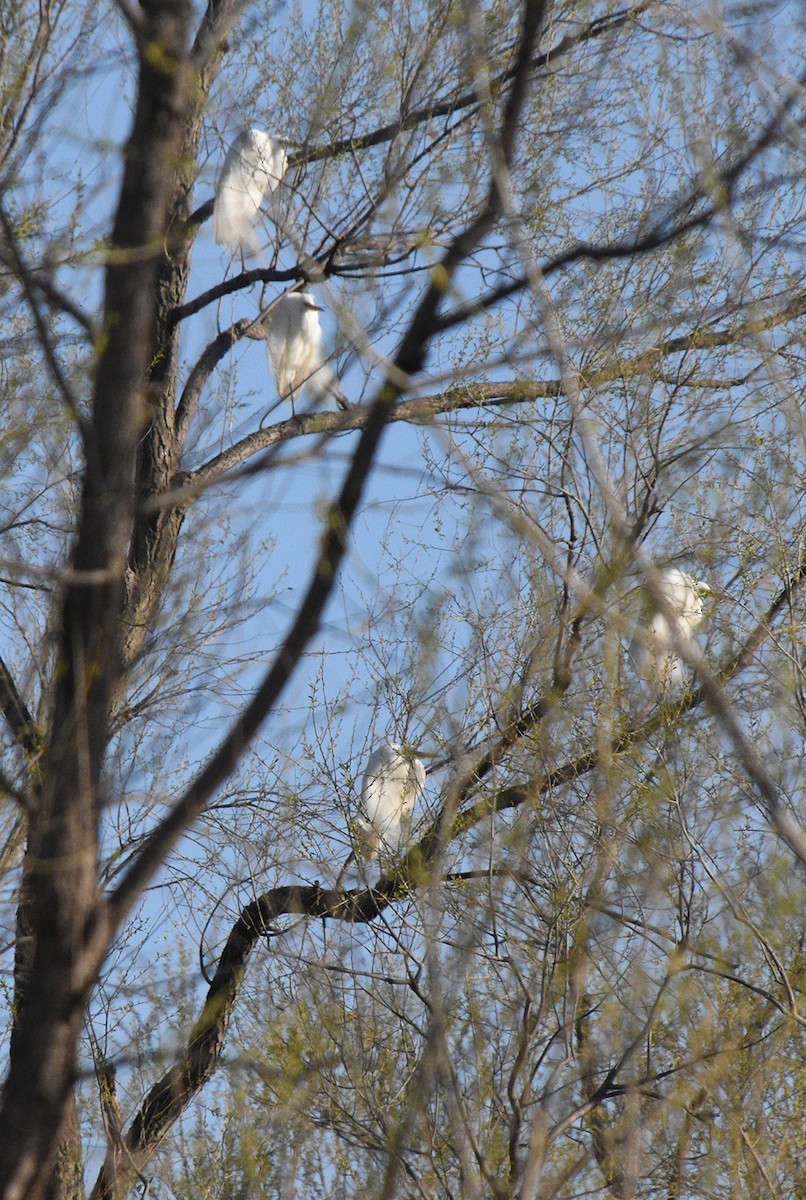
x=473 y=395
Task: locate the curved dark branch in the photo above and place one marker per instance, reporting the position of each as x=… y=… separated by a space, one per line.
x=173 y=1091
x=239 y=283
x=201 y=372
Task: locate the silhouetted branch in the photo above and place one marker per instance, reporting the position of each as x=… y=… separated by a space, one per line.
x=15 y=711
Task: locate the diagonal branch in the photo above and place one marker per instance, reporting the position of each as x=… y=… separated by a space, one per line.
x=407 y=363
x=332 y=549
x=598 y=27
x=16 y=713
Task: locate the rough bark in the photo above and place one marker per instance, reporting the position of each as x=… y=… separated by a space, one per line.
x=156 y=532
x=67 y=1180
x=63 y=931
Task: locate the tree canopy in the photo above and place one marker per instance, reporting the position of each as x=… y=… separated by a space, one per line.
x=556 y=251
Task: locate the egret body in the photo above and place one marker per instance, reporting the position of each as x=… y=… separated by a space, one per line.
x=294 y=344
x=393 y=781
x=254 y=166
x=654 y=655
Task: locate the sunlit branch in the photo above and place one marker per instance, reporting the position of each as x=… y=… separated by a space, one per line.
x=486 y=395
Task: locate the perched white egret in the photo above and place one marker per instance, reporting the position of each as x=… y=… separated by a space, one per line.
x=294 y=344
x=393 y=781
x=254 y=166
x=654 y=653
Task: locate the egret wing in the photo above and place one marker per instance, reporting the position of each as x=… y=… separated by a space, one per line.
x=254 y=165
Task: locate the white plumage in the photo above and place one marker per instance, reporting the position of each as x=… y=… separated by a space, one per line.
x=294 y=344
x=393 y=781
x=254 y=166
x=654 y=654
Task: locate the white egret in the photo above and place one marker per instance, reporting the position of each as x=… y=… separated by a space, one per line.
x=254 y=166
x=294 y=344
x=654 y=654
x=393 y=781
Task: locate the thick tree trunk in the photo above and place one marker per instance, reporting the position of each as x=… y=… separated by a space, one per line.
x=62 y=918
x=67 y=1180
x=156 y=534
